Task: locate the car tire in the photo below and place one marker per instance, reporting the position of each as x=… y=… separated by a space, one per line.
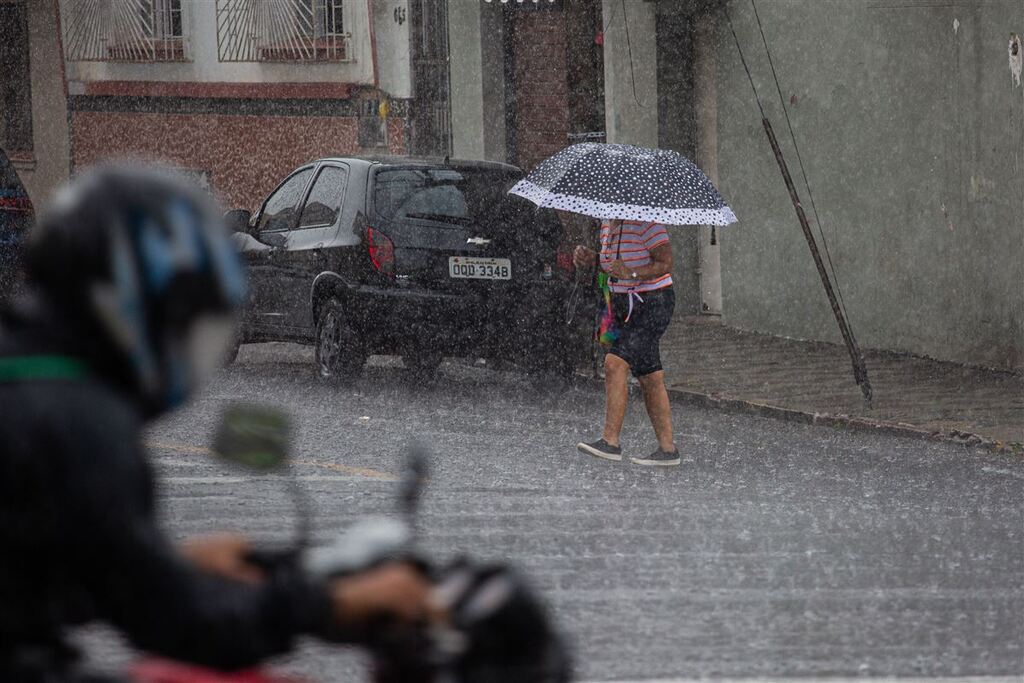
x=554 y=370
x=555 y=378
x=422 y=364
x=340 y=356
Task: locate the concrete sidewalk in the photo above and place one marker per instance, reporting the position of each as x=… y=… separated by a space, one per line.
x=713 y=364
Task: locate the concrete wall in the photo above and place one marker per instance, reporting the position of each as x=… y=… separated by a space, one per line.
x=466 y=73
x=912 y=132
x=630 y=84
x=492 y=64
x=48 y=165
x=391 y=29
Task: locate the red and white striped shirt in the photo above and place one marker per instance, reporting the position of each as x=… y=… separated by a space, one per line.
x=633 y=244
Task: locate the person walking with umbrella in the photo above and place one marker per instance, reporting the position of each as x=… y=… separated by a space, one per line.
x=638 y=258
x=638 y=191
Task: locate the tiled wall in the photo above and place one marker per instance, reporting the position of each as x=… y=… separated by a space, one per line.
x=243 y=157
x=542 y=91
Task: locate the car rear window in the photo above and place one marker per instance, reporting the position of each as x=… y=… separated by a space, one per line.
x=15 y=207
x=10 y=184
x=446 y=195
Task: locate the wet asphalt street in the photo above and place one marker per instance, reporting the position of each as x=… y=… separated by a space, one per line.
x=777 y=549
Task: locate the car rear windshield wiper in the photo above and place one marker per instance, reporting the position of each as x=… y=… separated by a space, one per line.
x=442 y=218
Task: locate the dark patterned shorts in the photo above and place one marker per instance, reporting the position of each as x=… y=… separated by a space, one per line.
x=639 y=338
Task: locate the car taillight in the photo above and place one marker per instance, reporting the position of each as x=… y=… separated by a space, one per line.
x=21 y=204
x=382 y=251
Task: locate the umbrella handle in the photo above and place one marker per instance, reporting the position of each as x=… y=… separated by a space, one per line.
x=597 y=323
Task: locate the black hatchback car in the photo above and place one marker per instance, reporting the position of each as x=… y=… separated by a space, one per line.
x=416 y=257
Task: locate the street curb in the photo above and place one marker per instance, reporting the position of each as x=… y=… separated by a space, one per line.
x=736 y=406
x=741 y=406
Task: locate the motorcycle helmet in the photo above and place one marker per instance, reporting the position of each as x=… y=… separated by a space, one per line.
x=137 y=264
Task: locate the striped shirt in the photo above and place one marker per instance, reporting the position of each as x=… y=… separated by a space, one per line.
x=633 y=245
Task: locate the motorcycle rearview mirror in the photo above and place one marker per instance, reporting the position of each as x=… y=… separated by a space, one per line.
x=415 y=477
x=376 y=539
x=412 y=483
x=254 y=437
x=257 y=438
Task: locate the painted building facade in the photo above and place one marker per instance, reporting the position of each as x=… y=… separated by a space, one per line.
x=238 y=92
x=910 y=121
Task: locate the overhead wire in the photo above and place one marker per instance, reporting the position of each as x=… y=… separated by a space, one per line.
x=611 y=18
x=743 y=60
x=629 y=48
x=800 y=161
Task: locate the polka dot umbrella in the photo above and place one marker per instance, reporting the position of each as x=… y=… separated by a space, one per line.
x=627 y=182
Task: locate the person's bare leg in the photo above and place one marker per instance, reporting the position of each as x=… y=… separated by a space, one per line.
x=658 y=409
x=616 y=388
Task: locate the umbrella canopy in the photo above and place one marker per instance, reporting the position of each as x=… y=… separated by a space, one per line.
x=627 y=182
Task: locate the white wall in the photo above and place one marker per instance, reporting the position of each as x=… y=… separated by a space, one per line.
x=51 y=150
x=631 y=118
x=391 y=28
x=911 y=129
x=466 y=73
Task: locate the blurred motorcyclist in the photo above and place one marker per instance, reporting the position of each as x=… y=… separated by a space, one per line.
x=133 y=287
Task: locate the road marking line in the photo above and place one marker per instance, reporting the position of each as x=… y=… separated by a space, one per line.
x=241 y=480
x=350 y=469
x=179 y=447
x=996 y=470
x=365 y=472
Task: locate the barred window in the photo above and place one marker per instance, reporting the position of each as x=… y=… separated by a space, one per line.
x=125 y=30
x=281 y=30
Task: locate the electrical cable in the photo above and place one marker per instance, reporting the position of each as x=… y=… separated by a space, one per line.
x=743 y=59
x=629 y=47
x=803 y=171
x=611 y=18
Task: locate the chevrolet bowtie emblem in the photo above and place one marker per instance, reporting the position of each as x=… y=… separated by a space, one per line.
x=478 y=241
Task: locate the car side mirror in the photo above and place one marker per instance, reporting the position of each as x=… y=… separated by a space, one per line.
x=275 y=239
x=237 y=220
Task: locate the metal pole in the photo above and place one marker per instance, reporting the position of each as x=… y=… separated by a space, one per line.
x=860 y=372
x=707 y=156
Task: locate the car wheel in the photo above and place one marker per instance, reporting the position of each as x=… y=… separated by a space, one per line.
x=554 y=369
x=554 y=379
x=339 y=354
x=422 y=364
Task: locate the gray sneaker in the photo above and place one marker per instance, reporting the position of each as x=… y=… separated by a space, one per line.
x=600 y=449
x=658 y=458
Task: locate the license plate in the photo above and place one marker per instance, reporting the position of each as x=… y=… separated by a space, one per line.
x=480 y=268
